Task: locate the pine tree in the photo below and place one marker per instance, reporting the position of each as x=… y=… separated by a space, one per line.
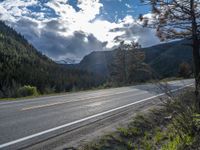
x=178 y=19
x=127 y=61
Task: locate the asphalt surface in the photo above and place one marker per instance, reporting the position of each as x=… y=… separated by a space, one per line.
x=26 y=122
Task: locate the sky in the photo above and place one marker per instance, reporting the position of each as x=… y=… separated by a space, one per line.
x=71 y=29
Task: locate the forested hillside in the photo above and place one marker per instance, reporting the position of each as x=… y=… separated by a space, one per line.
x=165 y=59
x=21 y=64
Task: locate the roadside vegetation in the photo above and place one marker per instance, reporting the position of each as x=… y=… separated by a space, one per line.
x=173 y=126
x=27 y=90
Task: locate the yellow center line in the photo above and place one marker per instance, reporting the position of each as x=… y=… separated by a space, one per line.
x=41 y=106
x=79 y=99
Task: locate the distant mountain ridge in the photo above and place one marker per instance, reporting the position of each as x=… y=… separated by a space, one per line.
x=164 y=59
x=66 y=61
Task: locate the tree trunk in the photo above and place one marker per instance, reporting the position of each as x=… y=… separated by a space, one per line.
x=196 y=59
x=196 y=55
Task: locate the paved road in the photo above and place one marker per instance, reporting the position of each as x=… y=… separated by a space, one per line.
x=24 y=122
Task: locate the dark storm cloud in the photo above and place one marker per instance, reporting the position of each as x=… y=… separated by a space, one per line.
x=55 y=45
x=77 y=45
x=29 y=33
x=54 y=25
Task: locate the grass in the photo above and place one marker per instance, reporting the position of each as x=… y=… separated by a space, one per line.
x=174 y=126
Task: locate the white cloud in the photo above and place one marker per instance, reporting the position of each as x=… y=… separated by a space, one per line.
x=128 y=5
x=70 y=33
x=17 y=8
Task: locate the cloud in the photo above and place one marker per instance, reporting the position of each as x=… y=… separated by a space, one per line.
x=133 y=31
x=60 y=31
x=128 y=5
x=73 y=47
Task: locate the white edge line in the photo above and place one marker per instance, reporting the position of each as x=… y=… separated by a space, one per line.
x=82 y=120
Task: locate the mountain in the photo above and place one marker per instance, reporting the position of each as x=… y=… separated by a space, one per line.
x=164 y=59
x=21 y=64
x=66 y=61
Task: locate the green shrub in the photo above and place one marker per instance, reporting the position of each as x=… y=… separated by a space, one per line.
x=49 y=90
x=27 y=90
